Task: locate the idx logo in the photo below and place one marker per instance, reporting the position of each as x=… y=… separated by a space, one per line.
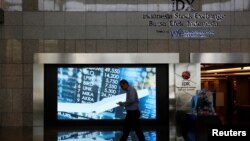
x=182 y=5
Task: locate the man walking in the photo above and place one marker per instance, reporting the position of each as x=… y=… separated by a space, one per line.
x=132 y=119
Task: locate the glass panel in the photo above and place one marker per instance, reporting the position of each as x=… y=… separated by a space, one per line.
x=125 y=5
x=60 y=5
x=52 y=5
x=225 y=5
x=13 y=5
x=211 y=5
x=41 y=5
x=49 y=5
x=246 y=4
x=239 y=5
x=74 y=5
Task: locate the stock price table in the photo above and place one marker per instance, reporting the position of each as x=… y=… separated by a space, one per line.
x=93 y=84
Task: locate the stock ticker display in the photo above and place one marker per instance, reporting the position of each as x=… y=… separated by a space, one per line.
x=92 y=92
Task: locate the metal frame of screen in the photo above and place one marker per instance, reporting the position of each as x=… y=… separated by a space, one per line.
x=83 y=58
x=161 y=93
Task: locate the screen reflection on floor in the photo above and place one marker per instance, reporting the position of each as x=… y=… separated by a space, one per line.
x=101 y=136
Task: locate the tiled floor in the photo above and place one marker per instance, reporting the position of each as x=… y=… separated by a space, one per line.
x=90 y=133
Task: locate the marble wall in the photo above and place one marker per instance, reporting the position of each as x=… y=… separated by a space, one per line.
x=37 y=28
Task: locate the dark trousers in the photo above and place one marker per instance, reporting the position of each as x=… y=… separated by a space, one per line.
x=132 y=122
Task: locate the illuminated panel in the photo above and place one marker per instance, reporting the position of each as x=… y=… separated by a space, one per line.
x=92 y=92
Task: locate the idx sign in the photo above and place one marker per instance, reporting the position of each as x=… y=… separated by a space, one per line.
x=182 y=5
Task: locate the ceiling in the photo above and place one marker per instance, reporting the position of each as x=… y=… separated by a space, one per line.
x=222 y=70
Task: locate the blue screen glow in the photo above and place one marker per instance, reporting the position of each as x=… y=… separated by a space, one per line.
x=92 y=92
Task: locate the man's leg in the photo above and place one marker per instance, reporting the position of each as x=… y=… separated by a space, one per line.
x=126 y=128
x=138 y=131
x=125 y=133
x=137 y=126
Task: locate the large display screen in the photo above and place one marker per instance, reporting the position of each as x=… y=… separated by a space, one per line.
x=92 y=92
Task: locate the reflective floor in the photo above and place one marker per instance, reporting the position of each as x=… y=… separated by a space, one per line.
x=99 y=136
x=74 y=134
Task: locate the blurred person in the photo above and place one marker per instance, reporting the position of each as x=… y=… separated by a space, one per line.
x=132 y=119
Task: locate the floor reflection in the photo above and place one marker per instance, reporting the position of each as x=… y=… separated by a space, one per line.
x=77 y=134
x=101 y=136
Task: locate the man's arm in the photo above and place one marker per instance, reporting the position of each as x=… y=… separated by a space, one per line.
x=132 y=98
x=140 y=94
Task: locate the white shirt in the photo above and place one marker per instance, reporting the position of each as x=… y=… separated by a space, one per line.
x=132 y=101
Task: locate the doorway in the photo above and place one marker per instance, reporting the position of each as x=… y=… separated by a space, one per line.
x=228 y=75
x=229 y=85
